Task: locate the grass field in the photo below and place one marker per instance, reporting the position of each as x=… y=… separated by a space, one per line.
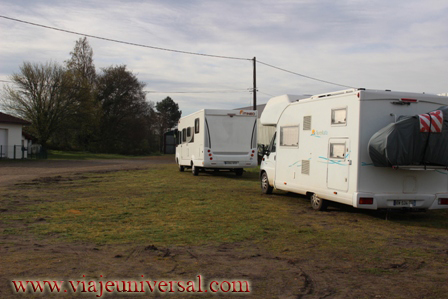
x=166 y=208
x=78 y=155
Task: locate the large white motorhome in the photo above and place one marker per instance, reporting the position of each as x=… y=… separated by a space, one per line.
x=218 y=140
x=364 y=148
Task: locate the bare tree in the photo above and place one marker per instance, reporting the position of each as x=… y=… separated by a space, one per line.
x=40 y=94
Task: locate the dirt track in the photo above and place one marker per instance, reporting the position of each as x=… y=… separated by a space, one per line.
x=12 y=172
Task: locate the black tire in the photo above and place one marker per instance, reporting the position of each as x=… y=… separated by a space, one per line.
x=318 y=203
x=239 y=172
x=265 y=187
x=181 y=168
x=194 y=170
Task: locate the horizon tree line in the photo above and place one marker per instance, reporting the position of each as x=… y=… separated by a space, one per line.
x=73 y=107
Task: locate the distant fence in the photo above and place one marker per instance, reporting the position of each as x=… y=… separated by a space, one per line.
x=34 y=151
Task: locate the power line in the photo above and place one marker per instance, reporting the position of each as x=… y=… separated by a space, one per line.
x=301 y=75
x=123 y=42
x=265 y=93
x=209 y=91
x=170 y=50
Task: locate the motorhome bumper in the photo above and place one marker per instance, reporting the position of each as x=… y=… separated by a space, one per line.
x=401 y=201
x=215 y=163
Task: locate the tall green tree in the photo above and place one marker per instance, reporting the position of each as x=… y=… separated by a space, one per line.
x=126 y=115
x=168 y=115
x=80 y=130
x=40 y=95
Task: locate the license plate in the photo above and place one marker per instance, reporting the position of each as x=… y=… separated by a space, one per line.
x=404 y=203
x=230 y=162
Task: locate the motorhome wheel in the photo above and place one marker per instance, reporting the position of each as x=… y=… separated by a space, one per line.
x=194 y=170
x=265 y=187
x=239 y=172
x=318 y=203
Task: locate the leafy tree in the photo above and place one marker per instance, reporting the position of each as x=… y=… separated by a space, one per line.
x=81 y=64
x=40 y=95
x=80 y=129
x=125 y=112
x=168 y=115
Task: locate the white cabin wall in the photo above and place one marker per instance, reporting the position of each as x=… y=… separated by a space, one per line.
x=14 y=137
x=315 y=147
x=187 y=151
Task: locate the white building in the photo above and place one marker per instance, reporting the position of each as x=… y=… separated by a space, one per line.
x=11 y=139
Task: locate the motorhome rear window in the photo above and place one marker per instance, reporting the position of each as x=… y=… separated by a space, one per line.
x=189 y=132
x=196 y=125
x=339 y=116
x=289 y=136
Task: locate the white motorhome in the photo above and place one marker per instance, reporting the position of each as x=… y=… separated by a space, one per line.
x=321 y=149
x=218 y=140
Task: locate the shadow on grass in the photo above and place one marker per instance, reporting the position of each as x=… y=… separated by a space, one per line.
x=247 y=175
x=412 y=218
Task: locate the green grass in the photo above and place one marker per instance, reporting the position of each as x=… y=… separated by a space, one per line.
x=163 y=206
x=75 y=155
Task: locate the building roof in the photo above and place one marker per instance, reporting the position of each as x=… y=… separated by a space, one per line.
x=9 y=119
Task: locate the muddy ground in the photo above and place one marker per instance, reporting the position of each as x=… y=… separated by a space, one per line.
x=270 y=275
x=13 y=172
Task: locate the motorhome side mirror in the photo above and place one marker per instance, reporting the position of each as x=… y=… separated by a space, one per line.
x=267 y=152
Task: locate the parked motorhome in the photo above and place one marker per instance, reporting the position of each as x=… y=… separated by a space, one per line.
x=364 y=148
x=217 y=140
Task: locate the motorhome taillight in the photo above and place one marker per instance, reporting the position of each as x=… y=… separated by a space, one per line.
x=443 y=201
x=253 y=151
x=211 y=158
x=209 y=155
x=365 y=201
x=406 y=100
x=209 y=151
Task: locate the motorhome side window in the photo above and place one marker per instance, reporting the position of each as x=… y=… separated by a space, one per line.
x=289 y=136
x=196 y=125
x=190 y=135
x=179 y=137
x=337 y=150
x=184 y=135
x=339 y=117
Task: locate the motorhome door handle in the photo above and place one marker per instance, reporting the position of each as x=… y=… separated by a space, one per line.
x=275 y=158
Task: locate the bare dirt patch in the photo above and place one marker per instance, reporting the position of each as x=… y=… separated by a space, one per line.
x=13 y=172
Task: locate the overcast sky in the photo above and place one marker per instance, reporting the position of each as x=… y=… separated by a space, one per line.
x=376 y=44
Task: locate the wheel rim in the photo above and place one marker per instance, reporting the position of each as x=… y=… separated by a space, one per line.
x=264 y=182
x=315 y=201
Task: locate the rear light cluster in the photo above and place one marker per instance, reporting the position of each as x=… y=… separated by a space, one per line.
x=443 y=201
x=210 y=154
x=253 y=153
x=366 y=201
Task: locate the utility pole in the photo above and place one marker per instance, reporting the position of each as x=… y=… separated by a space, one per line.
x=255 y=83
